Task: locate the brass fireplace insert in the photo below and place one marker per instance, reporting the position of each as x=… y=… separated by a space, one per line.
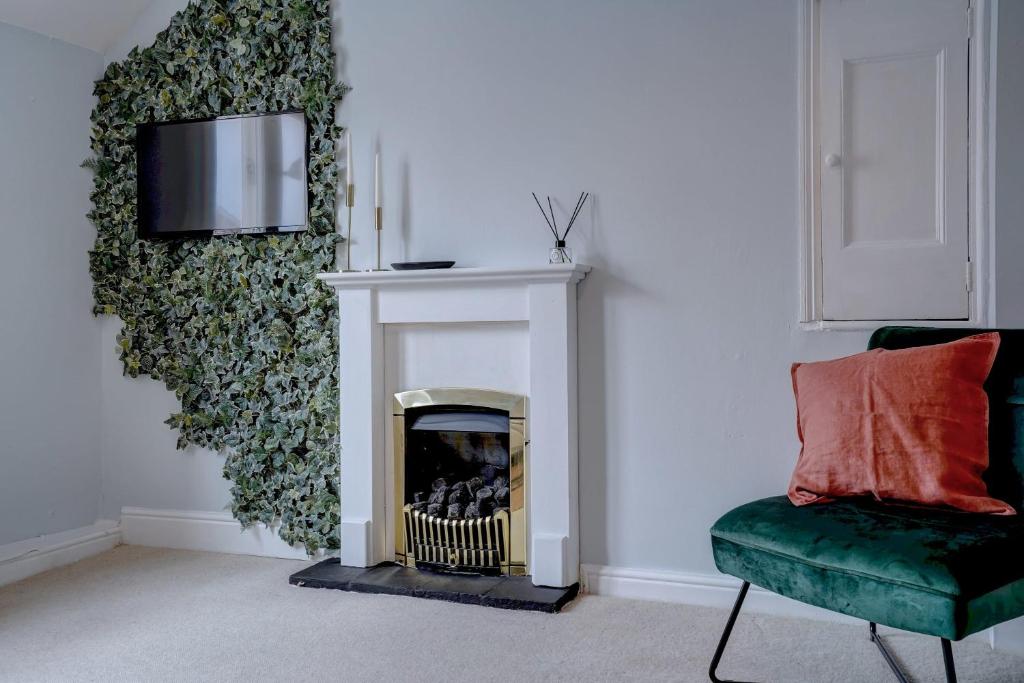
x=485 y=429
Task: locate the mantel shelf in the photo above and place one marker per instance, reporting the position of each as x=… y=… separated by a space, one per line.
x=464 y=277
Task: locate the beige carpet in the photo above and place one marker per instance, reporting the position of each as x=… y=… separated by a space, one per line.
x=142 y=614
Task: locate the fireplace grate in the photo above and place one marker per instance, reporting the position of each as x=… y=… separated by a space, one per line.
x=471 y=545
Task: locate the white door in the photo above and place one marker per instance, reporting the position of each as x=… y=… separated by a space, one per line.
x=893 y=97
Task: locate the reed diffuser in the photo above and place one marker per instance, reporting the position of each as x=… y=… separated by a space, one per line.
x=560 y=253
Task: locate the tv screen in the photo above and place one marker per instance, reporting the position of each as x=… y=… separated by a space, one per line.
x=238 y=174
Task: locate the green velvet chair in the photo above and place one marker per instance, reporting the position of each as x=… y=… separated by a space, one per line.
x=936 y=572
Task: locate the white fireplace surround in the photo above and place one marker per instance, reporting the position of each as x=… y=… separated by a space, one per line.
x=524 y=316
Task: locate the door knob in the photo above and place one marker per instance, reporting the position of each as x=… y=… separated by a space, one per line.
x=832 y=160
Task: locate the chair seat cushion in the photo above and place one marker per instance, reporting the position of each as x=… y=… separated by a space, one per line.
x=942 y=573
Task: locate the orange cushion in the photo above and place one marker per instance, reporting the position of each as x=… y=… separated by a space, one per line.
x=907 y=425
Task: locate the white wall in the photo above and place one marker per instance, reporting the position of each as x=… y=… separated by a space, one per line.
x=1009 y=166
x=151 y=20
x=49 y=341
x=680 y=118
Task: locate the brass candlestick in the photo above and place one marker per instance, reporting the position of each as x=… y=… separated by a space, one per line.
x=350 y=201
x=379 y=220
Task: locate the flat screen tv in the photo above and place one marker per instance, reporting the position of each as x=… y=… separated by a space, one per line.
x=233 y=174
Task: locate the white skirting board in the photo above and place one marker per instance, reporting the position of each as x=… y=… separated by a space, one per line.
x=22 y=559
x=718 y=590
x=216 y=532
x=707 y=590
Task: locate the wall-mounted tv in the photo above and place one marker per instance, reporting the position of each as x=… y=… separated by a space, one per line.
x=229 y=175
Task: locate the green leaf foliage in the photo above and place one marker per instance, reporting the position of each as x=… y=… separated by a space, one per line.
x=238 y=327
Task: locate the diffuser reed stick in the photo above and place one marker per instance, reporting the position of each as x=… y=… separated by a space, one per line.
x=560 y=253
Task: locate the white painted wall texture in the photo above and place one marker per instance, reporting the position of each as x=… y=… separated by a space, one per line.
x=680 y=118
x=49 y=341
x=1009 y=166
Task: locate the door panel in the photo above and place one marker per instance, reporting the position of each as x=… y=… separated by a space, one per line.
x=894 y=164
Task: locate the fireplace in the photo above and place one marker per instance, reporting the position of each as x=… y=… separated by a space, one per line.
x=507 y=328
x=460 y=477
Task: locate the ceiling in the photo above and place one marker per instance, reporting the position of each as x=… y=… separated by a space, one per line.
x=92 y=24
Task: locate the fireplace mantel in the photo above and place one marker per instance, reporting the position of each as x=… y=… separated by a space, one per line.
x=454 y=277
x=542 y=297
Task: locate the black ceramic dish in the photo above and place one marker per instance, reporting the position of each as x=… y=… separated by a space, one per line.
x=422 y=265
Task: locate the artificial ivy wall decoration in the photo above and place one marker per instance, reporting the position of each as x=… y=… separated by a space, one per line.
x=237 y=327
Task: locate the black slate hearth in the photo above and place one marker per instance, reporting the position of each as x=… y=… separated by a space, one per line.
x=505 y=592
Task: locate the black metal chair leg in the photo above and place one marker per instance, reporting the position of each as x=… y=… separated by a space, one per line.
x=947 y=656
x=877 y=640
x=947 y=649
x=720 y=650
x=947 y=659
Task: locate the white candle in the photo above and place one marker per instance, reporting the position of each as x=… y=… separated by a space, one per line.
x=348 y=159
x=376 y=181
